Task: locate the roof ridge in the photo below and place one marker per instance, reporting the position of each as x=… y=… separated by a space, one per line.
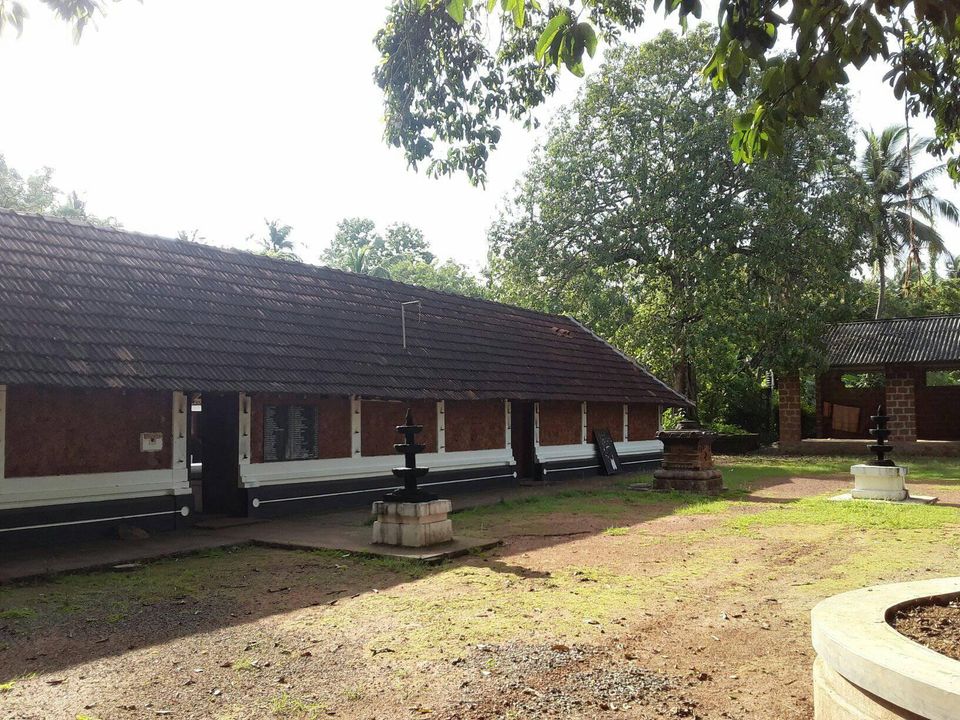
x=632 y=361
x=311 y=268
x=899 y=317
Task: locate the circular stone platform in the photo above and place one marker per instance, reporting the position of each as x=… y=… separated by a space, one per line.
x=866 y=670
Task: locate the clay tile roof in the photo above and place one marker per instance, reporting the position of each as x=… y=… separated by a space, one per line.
x=85 y=306
x=893 y=341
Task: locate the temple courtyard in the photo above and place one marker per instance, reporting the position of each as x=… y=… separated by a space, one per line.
x=601 y=600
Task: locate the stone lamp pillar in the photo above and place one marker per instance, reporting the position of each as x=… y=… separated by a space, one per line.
x=688 y=460
x=879 y=479
x=408 y=516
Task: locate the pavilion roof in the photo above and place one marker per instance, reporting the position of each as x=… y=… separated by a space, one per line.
x=895 y=341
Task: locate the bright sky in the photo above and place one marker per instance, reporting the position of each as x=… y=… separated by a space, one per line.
x=178 y=114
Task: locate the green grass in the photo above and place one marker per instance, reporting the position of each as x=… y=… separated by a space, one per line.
x=860 y=515
x=288 y=706
x=739 y=470
x=616 y=531
x=17 y=613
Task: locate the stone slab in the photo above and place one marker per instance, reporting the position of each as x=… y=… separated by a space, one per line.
x=908 y=500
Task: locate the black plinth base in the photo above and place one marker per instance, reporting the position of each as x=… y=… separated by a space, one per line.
x=412 y=496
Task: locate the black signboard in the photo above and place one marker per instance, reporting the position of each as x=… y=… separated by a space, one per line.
x=607 y=451
x=289 y=433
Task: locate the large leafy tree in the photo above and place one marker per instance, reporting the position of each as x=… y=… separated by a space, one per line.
x=37 y=193
x=451 y=69
x=902 y=209
x=635 y=218
x=401 y=253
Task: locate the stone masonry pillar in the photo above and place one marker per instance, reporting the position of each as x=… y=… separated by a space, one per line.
x=900 y=398
x=790 y=430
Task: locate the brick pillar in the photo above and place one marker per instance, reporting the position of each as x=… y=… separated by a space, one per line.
x=900 y=398
x=790 y=430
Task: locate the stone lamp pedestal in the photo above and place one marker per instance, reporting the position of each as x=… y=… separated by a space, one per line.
x=408 y=516
x=688 y=460
x=879 y=482
x=412 y=524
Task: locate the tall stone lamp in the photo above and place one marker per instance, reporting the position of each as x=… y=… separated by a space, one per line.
x=408 y=516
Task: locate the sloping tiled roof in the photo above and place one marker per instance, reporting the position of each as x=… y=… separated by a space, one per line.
x=895 y=341
x=91 y=307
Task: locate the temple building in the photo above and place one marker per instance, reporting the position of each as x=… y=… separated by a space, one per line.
x=910 y=365
x=145 y=380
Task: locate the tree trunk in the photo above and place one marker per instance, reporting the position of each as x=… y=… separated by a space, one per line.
x=881 y=295
x=882 y=280
x=685 y=379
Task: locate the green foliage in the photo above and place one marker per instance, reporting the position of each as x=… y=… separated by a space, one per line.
x=728 y=428
x=401 y=253
x=277 y=243
x=77 y=13
x=36 y=193
x=634 y=219
x=943 y=378
x=902 y=210
x=445 y=80
x=863 y=381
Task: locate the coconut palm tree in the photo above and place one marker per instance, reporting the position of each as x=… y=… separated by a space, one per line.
x=358 y=260
x=277 y=243
x=901 y=212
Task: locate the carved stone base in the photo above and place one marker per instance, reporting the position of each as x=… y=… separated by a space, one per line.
x=412 y=524
x=707 y=482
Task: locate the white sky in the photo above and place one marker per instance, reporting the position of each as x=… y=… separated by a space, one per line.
x=183 y=114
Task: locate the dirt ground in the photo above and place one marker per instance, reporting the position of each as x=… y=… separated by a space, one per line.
x=607 y=602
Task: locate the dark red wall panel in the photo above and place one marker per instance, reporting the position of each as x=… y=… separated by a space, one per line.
x=938 y=410
x=605 y=416
x=58 y=431
x=333 y=422
x=643 y=421
x=379 y=419
x=474 y=425
x=560 y=422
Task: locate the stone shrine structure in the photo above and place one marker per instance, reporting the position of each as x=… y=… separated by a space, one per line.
x=408 y=516
x=688 y=459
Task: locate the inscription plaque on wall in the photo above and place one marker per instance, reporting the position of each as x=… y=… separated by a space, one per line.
x=289 y=433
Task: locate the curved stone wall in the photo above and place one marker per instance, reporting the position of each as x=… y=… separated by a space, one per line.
x=866 y=670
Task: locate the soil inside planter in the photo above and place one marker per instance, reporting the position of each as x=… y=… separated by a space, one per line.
x=937 y=626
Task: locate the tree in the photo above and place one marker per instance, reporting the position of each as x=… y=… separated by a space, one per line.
x=401 y=254
x=901 y=210
x=446 y=84
x=37 y=194
x=277 y=243
x=356 y=247
x=77 y=13
x=634 y=218
x=448 y=276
